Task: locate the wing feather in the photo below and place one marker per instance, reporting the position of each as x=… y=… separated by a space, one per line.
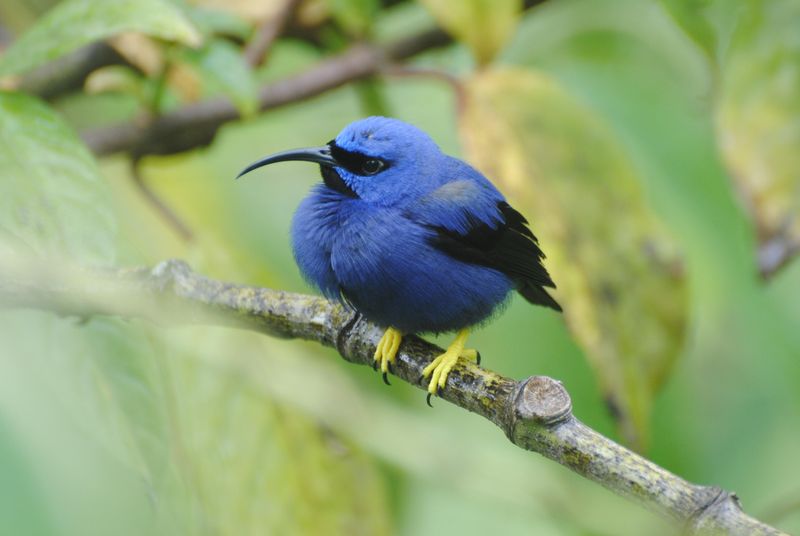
x=486 y=230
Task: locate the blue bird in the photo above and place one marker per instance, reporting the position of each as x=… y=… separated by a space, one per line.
x=416 y=240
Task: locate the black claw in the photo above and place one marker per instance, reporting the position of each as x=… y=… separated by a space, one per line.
x=375 y=366
x=386 y=379
x=428 y=400
x=478 y=358
x=389 y=366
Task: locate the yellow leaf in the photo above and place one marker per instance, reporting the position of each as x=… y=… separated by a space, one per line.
x=112 y=78
x=758 y=120
x=256 y=10
x=483 y=25
x=617 y=270
x=140 y=51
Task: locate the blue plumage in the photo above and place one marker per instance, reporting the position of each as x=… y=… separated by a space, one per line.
x=384 y=264
x=416 y=240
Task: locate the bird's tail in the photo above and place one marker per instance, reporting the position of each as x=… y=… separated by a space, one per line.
x=538 y=296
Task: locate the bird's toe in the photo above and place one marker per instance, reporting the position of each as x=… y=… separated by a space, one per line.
x=386 y=352
x=438 y=371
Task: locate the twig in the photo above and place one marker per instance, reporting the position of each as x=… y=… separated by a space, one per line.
x=257 y=50
x=195 y=125
x=160 y=206
x=535 y=414
x=775 y=253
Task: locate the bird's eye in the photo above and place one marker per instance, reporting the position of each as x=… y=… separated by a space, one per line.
x=372 y=166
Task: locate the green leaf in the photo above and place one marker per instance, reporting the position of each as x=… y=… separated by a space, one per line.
x=690 y=15
x=623 y=31
x=758 y=118
x=210 y=21
x=616 y=268
x=224 y=70
x=174 y=430
x=355 y=16
x=709 y=23
x=75 y=23
x=483 y=25
x=52 y=198
x=282 y=473
x=66 y=416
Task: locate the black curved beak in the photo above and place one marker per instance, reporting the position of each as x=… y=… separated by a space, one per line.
x=319 y=155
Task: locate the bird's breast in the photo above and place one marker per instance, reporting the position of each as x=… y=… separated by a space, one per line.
x=385 y=265
x=315 y=226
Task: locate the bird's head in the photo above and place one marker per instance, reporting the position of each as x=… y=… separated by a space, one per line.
x=378 y=159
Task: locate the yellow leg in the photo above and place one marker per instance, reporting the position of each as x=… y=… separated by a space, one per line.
x=440 y=368
x=386 y=351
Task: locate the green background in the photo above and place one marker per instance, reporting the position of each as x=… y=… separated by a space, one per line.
x=118 y=427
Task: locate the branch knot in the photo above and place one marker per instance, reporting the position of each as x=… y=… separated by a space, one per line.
x=542 y=400
x=165 y=274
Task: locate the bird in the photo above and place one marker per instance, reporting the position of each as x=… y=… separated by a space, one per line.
x=415 y=240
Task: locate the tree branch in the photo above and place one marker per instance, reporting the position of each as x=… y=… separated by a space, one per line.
x=195 y=125
x=535 y=414
x=68 y=73
x=257 y=50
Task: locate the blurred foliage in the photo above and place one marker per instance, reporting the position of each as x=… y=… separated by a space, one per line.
x=758 y=117
x=522 y=128
x=223 y=69
x=354 y=16
x=707 y=22
x=483 y=25
x=78 y=22
x=54 y=201
x=197 y=449
x=653 y=145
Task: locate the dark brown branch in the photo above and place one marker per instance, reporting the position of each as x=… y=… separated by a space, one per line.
x=257 y=50
x=535 y=414
x=68 y=73
x=195 y=125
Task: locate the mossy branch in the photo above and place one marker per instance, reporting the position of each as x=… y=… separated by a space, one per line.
x=535 y=414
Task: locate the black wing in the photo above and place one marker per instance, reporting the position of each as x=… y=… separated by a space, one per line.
x=510 y=248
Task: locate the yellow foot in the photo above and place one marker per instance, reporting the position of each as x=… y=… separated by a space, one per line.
x=440 y=368
x=472 y=355
x=386 y=352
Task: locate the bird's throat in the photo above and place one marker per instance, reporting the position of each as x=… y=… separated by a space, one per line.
x=334 y=181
